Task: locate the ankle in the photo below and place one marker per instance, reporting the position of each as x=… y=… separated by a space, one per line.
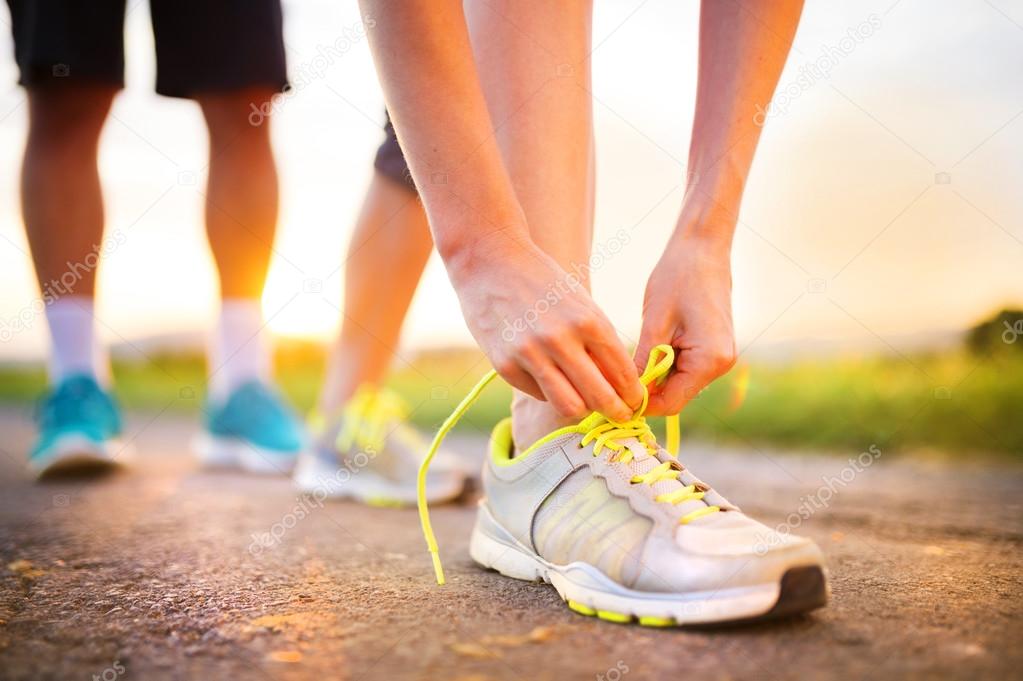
x=336 y=392
x=240 y=349
x=350 y=367
x=533 y=419
x=74 y=346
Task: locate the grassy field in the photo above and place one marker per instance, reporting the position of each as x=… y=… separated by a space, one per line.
x=950 y=403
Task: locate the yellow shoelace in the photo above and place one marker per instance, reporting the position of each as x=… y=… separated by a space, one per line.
x=600 y=430
x=366 y=417
x=609 y=435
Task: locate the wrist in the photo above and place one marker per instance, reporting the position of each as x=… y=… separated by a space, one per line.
x=705 y=225
x=459 y=227
x=716 y=187
x=462 y=233
x=476 y=252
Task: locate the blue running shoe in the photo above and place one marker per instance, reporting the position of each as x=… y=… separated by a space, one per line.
x=253 y=429
x=79 y=423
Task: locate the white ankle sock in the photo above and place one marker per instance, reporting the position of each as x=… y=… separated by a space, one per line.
x=240 y=349
x=74 y=348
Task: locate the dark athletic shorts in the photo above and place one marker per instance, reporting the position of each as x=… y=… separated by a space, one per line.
x=202 y=46
x=390 y=161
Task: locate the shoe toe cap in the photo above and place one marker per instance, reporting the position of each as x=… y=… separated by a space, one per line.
x=723 y=560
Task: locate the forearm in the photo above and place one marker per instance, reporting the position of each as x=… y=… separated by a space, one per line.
x=432 y=88
x=743 y=48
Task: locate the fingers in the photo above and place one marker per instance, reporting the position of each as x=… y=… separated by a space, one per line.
x=556 y=364
x=653 y=333
x=674 y=395
x=696 y=370
x=575 y=359
x=594 y=380
x=519 y=379
x=548 y=383
x=617 y=367
x=591 y=385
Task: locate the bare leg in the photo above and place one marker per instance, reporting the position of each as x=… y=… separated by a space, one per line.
x=241 y=218
x=60 y=191
x=62 y=204
x=241 y=199
x=534 y=67
x=391 y=242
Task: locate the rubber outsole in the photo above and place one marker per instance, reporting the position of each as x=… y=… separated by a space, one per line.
x=78 y=466
x=587 y=591
x=218 y=453
x=77 y=457
x=803 y=589
x=364 y=486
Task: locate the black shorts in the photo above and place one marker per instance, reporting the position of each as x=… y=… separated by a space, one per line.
x=202 y=46
x=390 y=160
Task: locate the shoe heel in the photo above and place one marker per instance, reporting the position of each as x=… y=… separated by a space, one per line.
x=493 y=547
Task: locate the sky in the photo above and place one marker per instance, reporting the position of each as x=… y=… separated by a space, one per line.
x=884 y=203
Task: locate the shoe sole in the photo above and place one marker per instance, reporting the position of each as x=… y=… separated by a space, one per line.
x=589 y=592
x=230 y=453
x=366 y=487
x=73 y=456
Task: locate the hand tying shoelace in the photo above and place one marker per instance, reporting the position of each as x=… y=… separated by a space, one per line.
x=605 y=433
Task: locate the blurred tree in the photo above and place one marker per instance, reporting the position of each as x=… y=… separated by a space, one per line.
x=1002 y=332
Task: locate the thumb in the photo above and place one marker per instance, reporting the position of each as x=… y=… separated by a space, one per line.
x=655 y=332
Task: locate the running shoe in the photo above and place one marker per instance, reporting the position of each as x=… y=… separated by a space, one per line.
x=253 y=429
x=79 y=423
x=369 y=453
x=624 y=532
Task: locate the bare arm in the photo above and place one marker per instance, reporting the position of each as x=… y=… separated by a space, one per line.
x=432 y=87
x=743 y=48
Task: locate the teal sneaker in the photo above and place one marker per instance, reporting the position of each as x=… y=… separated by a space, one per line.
x=79 y=423
x=254 y=429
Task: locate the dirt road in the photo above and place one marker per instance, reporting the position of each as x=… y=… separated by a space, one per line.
x=157 y=573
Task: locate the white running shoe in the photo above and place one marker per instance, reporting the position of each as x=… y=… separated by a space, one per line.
x=370 y=454
x=625 y=533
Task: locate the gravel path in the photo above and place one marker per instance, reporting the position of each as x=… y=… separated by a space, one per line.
x=154 y=573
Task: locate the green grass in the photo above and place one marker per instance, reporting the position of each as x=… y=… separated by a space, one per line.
x=951 y=403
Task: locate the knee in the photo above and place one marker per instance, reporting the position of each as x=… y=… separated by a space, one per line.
x=238 y=114
x=68 y=117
